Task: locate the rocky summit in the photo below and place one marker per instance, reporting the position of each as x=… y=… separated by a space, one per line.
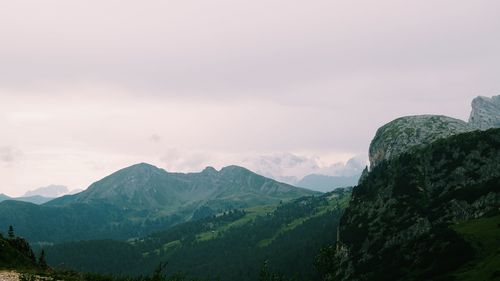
x=404 y=133
x=485 y=113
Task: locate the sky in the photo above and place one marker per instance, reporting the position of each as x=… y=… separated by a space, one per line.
x=285 y=88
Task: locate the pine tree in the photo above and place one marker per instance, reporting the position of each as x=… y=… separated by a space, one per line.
x=32 y=256
x=264 y=274
x=11 y=232
x=41 y=260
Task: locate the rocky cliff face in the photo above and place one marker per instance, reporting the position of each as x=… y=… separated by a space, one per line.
x=397 y=224
x=485 y=113
x=404 y=133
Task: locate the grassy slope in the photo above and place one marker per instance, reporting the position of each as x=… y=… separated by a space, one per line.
x=274 y=246
x=320 y=211
x=484 y=235
x=259 y=211
x=251 y=214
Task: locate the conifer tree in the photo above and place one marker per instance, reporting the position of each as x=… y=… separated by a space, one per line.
x=264 y=274
x=41 y=260
x=11 y=232
x=32 y=257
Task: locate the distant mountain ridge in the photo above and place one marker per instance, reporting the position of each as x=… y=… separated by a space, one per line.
x=324 y=183
x=36 y=199
x=40 y=195
x=141 y=198
x=144 y=186
x=51 y=191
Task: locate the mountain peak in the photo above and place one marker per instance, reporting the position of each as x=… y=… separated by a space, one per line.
x=209 y=170
x=142 y=165
x=140 y=169
x=233 y=168
x=404 y=133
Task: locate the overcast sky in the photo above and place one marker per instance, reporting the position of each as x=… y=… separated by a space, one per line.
x=283 y=87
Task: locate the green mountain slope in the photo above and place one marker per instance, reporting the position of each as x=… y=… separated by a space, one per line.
x=76 y=221
x=397 y=225
x=141 y=199
x=146 y=187
x=233 y=245
x=484 y=235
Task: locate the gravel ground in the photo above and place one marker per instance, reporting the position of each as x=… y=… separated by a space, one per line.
x=9 y=276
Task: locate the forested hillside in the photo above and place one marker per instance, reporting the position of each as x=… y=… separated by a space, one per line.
x=233 y=245
x=413 y=217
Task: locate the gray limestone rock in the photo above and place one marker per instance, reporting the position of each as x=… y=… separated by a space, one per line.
x=404 y=133
x=485 y=113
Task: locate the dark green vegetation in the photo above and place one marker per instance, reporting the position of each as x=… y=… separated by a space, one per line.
x=15 y=252
x=484 y=236
x=230 y=246
x=401 y=223
x=16 y=255
x=141 y=199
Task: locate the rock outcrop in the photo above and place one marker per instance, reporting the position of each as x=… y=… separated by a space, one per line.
x=396 y=226
x=407 y=132
x=426 y=173
x=485 y=113
x=404 y=133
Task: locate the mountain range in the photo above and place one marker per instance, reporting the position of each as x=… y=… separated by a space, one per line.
x=430 y=213
x=427 y=208
x=142 y=198
x=41 y=195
